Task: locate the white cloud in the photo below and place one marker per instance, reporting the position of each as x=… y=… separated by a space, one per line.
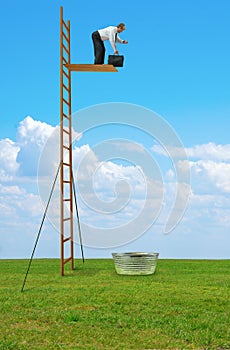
x=129 y=146
x=32 y=131
x=209 y=212
x=210 y=177
x=209 y=151
x=18 y=203
x=117 y=190
x=108 y=187
x=31 y=137
x=11 y=190
x=8 y=159
x=209 y=165
x=174 y=152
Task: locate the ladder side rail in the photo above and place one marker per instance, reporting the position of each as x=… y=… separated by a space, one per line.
x=65 y=149
x=70 y=159
x=61 y=148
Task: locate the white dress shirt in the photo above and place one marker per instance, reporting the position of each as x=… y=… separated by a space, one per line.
x=109 y=33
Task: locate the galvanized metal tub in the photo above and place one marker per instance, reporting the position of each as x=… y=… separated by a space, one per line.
x=135 y=263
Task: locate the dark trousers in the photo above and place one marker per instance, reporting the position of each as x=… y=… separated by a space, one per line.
x=99 y=48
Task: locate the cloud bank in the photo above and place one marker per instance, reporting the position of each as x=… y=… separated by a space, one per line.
x=21 y=208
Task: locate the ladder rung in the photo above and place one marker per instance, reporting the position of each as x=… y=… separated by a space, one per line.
x=66 y=239
x=66 y=181
x=65 y=87
x=66 y=131
x=65 y=116
x=66 y=219
x=66 y=38
x=67 y=76
x=67 y=164
x=66 y=50
x=66 y=200
x=66 y=147
x=67 y=260
x=65 y=26
x=64 y=59
x=67 y=102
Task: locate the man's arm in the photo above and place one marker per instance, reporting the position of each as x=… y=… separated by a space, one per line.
x=112 y=41
x=121 y=41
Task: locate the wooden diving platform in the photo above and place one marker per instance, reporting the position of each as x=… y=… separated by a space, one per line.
x=91 y=67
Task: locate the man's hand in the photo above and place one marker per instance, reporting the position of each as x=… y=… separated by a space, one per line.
x=115 y=52
x=125 y=42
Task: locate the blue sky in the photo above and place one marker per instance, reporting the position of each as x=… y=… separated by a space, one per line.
x=176 y=64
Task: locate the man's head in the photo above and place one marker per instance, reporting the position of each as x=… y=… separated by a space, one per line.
x=120 y=27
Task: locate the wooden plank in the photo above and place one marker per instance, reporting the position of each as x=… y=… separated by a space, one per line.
x=91 y=67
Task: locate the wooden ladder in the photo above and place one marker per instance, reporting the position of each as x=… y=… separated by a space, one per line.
x=66 y=162
x=66 y=181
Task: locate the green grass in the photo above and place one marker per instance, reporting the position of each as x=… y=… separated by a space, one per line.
x=184 y=305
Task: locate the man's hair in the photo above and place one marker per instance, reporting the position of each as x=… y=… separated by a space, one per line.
x=121 y=25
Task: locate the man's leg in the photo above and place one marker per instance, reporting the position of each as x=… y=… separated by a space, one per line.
x=99 y=49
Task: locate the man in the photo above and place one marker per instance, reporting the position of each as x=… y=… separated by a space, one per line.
x=101 y=35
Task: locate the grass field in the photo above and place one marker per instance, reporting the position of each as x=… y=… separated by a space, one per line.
x=184 y=305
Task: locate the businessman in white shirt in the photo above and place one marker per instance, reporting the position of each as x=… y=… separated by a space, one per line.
x=101 y=35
